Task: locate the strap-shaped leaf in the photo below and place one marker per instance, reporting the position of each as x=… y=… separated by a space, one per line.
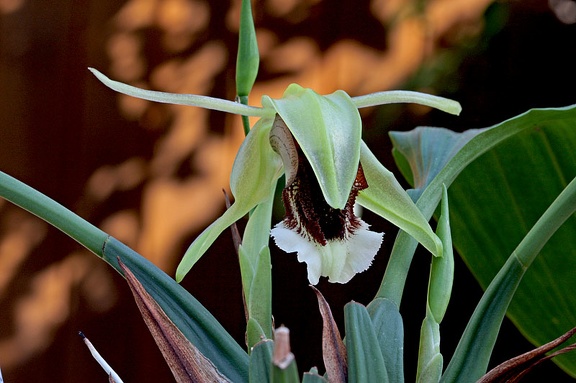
x=365 y=360
x=261 y=361
x=394 y=280
x=389 y=329
x=197 y=324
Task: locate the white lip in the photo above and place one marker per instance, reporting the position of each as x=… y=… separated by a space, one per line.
x=339 y=259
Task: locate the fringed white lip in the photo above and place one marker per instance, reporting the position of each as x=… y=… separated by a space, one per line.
x=339 y=259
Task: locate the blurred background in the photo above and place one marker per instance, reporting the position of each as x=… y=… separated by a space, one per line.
x=152 y=175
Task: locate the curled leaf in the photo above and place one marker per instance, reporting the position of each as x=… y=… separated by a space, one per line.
x=516 y=368
x=185 y=361
x=333 y=349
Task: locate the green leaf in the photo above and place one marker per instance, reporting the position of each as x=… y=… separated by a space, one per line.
x=254 y=174
x=493 y=210
x=195 y=322
x=365 y=360
x=392 y=286
x=423 y=152
x=328 y=129
x=261 y=361
x=193 y=319
x=442 y=269
x=389 y=330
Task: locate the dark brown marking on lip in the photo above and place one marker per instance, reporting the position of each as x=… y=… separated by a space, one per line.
x=307 y=211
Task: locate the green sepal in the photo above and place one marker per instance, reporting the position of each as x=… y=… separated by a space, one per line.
x=386 y=197
x=329 y=131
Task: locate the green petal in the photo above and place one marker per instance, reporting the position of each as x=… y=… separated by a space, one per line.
x=328 y=129
x=386 y=197
x=254 y=173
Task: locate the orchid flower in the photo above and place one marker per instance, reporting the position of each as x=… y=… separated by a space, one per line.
x=315 y=141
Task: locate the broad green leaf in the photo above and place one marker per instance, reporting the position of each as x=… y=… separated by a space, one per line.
x=497 y=199
x=389 y=330
x=423 y=152
x=328 y=129
x=261 y=362
x=392 y=286
x=365 y=360
x=197 y=324
x=470 y=360
x=486 y=235
x=255 y=171
x=386 y=197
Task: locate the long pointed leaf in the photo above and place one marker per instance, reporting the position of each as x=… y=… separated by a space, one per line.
x=395 y=276
x=185 y=361
x=472 y=355
x=365 y=360
x=389 y=330
x=197 y=324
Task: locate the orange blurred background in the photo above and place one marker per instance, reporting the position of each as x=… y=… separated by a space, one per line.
x=152 y=174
